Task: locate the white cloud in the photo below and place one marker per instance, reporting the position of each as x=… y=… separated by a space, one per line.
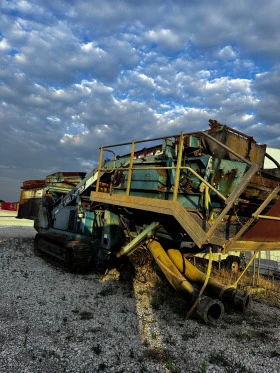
x=4 y=45
x=165 y=38
x=227 y=53
x=76 y=75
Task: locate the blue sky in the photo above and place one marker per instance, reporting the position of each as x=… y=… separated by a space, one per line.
x=76 y=75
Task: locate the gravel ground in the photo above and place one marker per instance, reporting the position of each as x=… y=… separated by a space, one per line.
x=55 y=321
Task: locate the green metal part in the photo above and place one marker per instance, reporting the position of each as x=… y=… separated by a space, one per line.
x=132 y=245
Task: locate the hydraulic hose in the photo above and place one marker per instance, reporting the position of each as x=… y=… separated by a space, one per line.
x=237 y=299
x=210 y=310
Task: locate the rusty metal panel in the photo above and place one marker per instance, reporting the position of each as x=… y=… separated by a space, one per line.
x=29 y=209
x=30 y=184
x=30 y=199
x=265 y=230
x=72 y=178
x=242 y=144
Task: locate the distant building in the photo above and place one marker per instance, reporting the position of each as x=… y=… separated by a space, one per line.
x=273 y=152
x=10 y=206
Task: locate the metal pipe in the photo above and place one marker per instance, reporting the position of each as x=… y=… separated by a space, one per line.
x=115 y=156
x=135 y=243
x=259 y=267
x=210 y=310
x=154 y=139
x=225 y=293
x=268 y=217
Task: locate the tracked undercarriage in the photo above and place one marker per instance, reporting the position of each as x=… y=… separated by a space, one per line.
x=193 y=194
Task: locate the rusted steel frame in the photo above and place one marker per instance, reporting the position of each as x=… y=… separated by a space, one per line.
x=269 y=198
x=99 y=168
x=129 y=176
x=185 y=134
x=199 y=133
x=178 y=167
x=253 y=246
x=154 y=139
x=173 y=208
x=239 y=133
x=268 y=217
x=227 y=148
x=205 y=182
x=138 y=142
x=136 y=168
x=255 y=215
x=233 y=197
x=169 y=168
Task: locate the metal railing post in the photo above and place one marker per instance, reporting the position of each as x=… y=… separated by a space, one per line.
x=178 y=167
x=129 y=176
x=99 y=167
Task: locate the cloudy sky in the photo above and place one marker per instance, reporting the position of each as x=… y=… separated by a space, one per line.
x=78 y=74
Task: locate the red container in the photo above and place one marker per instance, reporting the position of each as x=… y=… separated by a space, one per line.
x=11 y=206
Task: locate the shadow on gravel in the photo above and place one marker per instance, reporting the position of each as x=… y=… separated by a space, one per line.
x=126 y=320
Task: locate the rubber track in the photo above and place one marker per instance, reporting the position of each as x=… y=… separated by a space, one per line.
x=75 y=255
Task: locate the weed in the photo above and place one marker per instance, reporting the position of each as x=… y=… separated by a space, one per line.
x=237 y=367
x=168 y=363
x=243 y=337
x=267 y=289
x=26 y=333
x=204 y=367
x=274 y=353
x=218 y=358
x=131 y=353
x=146 y=343
x=156 y=354
x=189 y=334
x=169 y=339
x=158 y=299
x=96 y=349
x=106 y=291
x=124 y=310
x=118 y=354
x=102 y=366
x=85 y=315
x=262 y=335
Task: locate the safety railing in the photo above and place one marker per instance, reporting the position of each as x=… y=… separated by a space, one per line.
x=229 y=201
x=178 y=168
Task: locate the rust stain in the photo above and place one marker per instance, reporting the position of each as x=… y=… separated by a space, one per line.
x=265 y=230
